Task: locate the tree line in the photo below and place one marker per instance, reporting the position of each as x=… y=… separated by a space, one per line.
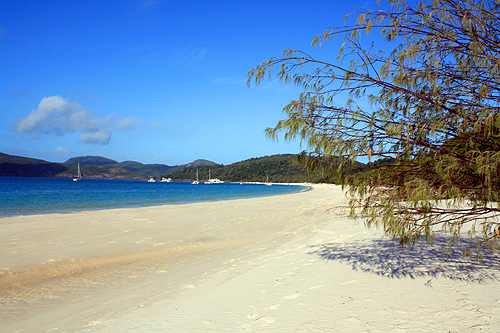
x=283 y=168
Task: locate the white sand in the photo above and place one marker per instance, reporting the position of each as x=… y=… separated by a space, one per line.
x=278 y=264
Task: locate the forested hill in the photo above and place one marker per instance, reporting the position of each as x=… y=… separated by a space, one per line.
x=277 y=168
x=91 y=160
x=11 y=165
x=101 y=167
x=91 y=167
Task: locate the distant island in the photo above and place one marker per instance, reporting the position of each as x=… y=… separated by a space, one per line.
x=281 y=168
x=91 y=167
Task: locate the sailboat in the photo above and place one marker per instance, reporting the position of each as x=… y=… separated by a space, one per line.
x=196 y=181
x=213 y=181
x=79 y=175
x=209 y=181
x=267 y=181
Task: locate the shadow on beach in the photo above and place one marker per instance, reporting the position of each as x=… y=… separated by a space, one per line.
x=387 y=258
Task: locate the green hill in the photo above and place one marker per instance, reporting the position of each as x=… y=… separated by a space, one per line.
x=148 y=170
x=277 y=168
x=90 y=160
x=11 y=165
x=100 y=171
x=102 y=167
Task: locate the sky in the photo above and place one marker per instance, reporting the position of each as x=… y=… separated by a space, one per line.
x=153 y=81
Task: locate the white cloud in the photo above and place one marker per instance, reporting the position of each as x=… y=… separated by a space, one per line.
x=100 y=137
x=48 y=117
x=56 y=115
x=82 y=121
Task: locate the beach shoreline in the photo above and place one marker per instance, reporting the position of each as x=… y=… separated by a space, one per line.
x=66 y=197
x=279 y=263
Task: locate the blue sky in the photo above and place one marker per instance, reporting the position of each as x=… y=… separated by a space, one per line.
x=154 y=81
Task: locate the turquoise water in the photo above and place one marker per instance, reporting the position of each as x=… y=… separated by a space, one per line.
x=27 y=195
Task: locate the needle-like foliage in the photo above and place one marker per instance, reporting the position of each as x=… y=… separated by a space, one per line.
x=425 y=97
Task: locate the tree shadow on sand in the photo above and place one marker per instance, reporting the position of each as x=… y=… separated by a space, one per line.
x=387 y=258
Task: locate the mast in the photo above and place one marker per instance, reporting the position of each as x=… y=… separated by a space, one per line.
x=78 y=175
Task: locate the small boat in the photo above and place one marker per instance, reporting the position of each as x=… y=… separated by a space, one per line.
x=151 y=180
x=166 y=180
x=209 y=181
x=214 y=180
x=79 y=174
x=196 y=181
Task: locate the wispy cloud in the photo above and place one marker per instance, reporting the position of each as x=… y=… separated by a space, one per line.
x=62 y=150
x=56 y=115
x=99 y=137
x=175 y=131
x=171 y=130
x=186 y=58
x=127 y=124
x=156 y=125
x=17 y=93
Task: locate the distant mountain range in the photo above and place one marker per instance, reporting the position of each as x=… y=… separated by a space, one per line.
x=281 y=168
x=91 y=167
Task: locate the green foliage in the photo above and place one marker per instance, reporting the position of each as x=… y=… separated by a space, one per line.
x=277 y=168
x=428 y=99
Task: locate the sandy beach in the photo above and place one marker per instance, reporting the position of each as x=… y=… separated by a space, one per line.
x=276 y=264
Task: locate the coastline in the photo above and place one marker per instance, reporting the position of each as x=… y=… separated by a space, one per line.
x=67 y=197
x=282 y=263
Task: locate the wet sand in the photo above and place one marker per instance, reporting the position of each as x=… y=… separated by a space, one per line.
x=285 y=263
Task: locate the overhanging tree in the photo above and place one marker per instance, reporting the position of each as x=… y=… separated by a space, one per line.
x=430 y=104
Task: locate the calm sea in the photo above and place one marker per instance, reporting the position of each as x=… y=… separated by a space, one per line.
x=27 y=195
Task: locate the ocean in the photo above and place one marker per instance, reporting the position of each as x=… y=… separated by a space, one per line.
x=29 y=195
